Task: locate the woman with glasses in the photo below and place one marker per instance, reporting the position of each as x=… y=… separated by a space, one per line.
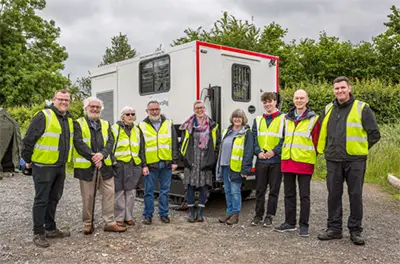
x=128 y=157
x=234 y=163
x=199 y=145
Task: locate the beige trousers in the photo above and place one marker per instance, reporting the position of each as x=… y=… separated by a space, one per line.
x=106 y=189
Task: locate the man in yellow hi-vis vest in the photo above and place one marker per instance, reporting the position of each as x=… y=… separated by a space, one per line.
x=46 y=148
x=93 y=144
x=348 y=131
x=161 y=155
x=268 y=139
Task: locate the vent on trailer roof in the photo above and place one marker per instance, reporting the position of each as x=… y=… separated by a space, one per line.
x=108 y=102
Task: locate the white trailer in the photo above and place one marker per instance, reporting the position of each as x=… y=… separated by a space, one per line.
x=180 y=75
x=224 y=78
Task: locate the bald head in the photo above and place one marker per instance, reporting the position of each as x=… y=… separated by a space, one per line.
x=300 y=100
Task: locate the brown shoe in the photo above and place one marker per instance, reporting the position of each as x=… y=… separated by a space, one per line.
x=114 y=228
x=129 y=222
x=88 y=229
x=121 y=223
x=224 y=218
x=234 y=219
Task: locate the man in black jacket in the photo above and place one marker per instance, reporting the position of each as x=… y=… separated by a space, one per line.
x=348 y=131
x=93 y=144
x=49 y=128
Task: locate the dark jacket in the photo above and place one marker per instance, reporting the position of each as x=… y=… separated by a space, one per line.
x=36 y=130
x=247 y=162
x=175 y=151
x=210 y=156
x=97 y=145
x=127 y=174
x=277 y=150
x=335 y=149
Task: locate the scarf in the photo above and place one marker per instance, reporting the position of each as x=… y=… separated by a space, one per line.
x=192 y=124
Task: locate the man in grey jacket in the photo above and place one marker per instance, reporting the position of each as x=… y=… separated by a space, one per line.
x=348 y=131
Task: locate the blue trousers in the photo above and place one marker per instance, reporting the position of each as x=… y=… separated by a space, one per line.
x=164 y=175
x=233 y=195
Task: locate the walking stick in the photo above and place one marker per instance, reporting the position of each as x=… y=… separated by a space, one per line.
x=96 y=176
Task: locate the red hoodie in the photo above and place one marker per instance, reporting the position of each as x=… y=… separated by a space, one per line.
x=292 y=166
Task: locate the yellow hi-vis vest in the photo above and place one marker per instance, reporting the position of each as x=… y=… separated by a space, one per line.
x=356 y=136
x=185 y=141
x=298 y=144
x=237 y=154
x=46 y=149
x=158 y=145
x=79 y=161
x=126 y=148
x=268 y=137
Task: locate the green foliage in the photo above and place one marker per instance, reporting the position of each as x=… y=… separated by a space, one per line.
x=31 y=59
x=24 y=114
x=383 y=98
x=120 y=50
x=310 y=60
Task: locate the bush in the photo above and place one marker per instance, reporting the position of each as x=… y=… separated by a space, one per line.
x=382 y=98
x=24 y=114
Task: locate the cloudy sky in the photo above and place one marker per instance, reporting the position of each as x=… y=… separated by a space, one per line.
x=88 y=25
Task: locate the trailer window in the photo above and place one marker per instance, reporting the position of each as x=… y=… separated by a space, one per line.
x=155 y=75
x=241 y=82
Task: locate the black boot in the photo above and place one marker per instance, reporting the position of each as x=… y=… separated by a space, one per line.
x=200 y=217
x=192 y=217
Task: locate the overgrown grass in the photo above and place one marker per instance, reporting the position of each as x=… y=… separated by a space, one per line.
x=383 y=158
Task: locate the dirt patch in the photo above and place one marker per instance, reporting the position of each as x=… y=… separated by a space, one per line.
x=182 y=242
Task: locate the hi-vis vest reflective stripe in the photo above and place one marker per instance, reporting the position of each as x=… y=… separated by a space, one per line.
x=298 y=144
x=79 y=161
x=356 y=136
x=127 y=147
x=268 y=137
x=187 y=136
x=237 y=154
x=46 y=149
x=158 y=145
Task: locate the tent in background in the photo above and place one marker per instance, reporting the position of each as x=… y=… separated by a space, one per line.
x=10 y=142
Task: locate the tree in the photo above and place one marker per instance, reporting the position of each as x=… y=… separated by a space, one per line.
x=31 y=60
x=387 y=46
x=120 y=50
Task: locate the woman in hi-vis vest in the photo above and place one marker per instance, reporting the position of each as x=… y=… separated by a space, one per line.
x=234 y=163
x=200 y=136
x=128 y=152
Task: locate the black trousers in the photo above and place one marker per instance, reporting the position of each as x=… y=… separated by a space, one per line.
x=289 y=180
x=337 y=172
x=49 y=186
x=267 y=174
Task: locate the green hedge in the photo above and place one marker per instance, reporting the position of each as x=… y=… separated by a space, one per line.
x=384 y=99
x=24 y=114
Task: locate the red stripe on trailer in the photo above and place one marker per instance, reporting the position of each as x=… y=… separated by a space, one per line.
x=246 y=52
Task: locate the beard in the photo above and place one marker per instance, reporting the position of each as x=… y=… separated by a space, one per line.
x=155 y=118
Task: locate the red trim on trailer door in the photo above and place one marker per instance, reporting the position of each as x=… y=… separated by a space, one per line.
x=220 y=47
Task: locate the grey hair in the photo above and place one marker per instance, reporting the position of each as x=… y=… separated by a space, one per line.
x=87 y=101
x=197 y=102
x=127 y=109
x=152 y=102
x=239 y=113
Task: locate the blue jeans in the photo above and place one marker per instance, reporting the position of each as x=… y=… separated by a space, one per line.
x=190 y=195
x=164 y=174
x=233 y=195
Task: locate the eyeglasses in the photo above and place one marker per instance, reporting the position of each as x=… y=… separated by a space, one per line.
x=130 y=114
x=62 y=100
x=94 y=106
x=154 y=109
x=199 y=108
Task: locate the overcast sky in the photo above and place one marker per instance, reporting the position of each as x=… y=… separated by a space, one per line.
x=88 y=25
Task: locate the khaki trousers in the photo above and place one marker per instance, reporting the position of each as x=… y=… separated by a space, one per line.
x=106 y=188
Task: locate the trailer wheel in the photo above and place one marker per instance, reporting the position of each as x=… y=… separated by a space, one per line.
x=139 y=193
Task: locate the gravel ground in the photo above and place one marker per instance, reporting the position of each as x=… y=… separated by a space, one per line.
x=182 y=242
